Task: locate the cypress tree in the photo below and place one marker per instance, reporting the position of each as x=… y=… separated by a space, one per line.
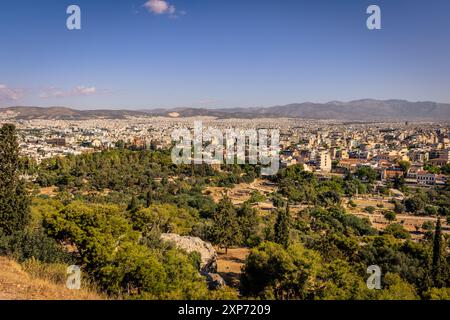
x=149 y=199
x=248 y=221
x=436 y=266
x=133 y=206
x=14 y=202
x=282 y=227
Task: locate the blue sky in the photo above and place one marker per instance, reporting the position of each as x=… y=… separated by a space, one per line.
x=221 y=53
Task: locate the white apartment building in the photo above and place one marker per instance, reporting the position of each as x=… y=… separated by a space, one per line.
x=324 y=161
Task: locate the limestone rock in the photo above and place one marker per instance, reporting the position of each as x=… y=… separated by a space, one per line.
x=191 y=244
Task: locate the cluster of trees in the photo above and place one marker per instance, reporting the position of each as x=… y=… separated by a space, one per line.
x=431 y=203
x=304 y=187
x=20 y=235
x=118 y=169
x=235 y=174
x=231 y=226
x=323 y=253
x=295 y=272
x=129 y=171
x=147 y=177
x=445 y=169
x=123 y=254
x=326 y=253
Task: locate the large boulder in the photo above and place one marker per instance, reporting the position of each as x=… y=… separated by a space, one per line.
x=194 y=244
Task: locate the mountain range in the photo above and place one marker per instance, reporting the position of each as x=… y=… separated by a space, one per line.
x=358 y=110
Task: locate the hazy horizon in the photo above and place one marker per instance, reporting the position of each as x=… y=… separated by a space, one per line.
x=81 y=108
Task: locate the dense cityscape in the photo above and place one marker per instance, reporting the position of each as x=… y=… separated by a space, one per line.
x=321 y=146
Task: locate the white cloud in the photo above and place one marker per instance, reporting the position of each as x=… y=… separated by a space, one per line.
x=85 y=90
x=160 y=7
x=53 y=92
x=9 y=94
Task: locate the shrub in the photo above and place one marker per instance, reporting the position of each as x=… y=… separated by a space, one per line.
x=438 y=294
x=369 y=209
x=352 y=204
x=399 y=207
x=428 y=226
x=397 y=231
x=390 y=216
x=33 y=244
x=431 y=210
x=256 y=197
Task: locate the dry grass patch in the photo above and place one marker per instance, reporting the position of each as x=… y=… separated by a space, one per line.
x=17 y=284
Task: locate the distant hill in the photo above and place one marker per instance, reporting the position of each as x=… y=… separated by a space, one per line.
x=63 y=113
x=365 y=110
x=360 y=110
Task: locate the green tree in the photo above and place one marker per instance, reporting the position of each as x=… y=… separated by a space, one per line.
x=282 y=227
x=399 y=207
x=339 y=282
x=274 y=272
x=149 y=198
x=431 y=210
x=329 y=198
x=133 y=206
x=436 y=266
x=405 y=165
x=370 y=209
x=397 y=231
x=438 y=294
x=248 y=222
x=256 y=197
x=399 y=182
x=366 y=174
x=119 y=261
x=165 y=218
x=428 y=225
x=414 y=204
x=390 y=216
x=278 y=200
x=395 y=288
x=14 y=203
x=225 y=230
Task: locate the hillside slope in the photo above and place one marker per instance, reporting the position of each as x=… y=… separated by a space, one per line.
x=16 y=284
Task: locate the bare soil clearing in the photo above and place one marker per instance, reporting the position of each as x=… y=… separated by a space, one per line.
x=229 y=265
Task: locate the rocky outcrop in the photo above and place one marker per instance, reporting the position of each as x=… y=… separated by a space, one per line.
x=214 y=280
x=194 y=244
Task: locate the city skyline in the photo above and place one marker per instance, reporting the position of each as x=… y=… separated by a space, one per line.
x=166 y=54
